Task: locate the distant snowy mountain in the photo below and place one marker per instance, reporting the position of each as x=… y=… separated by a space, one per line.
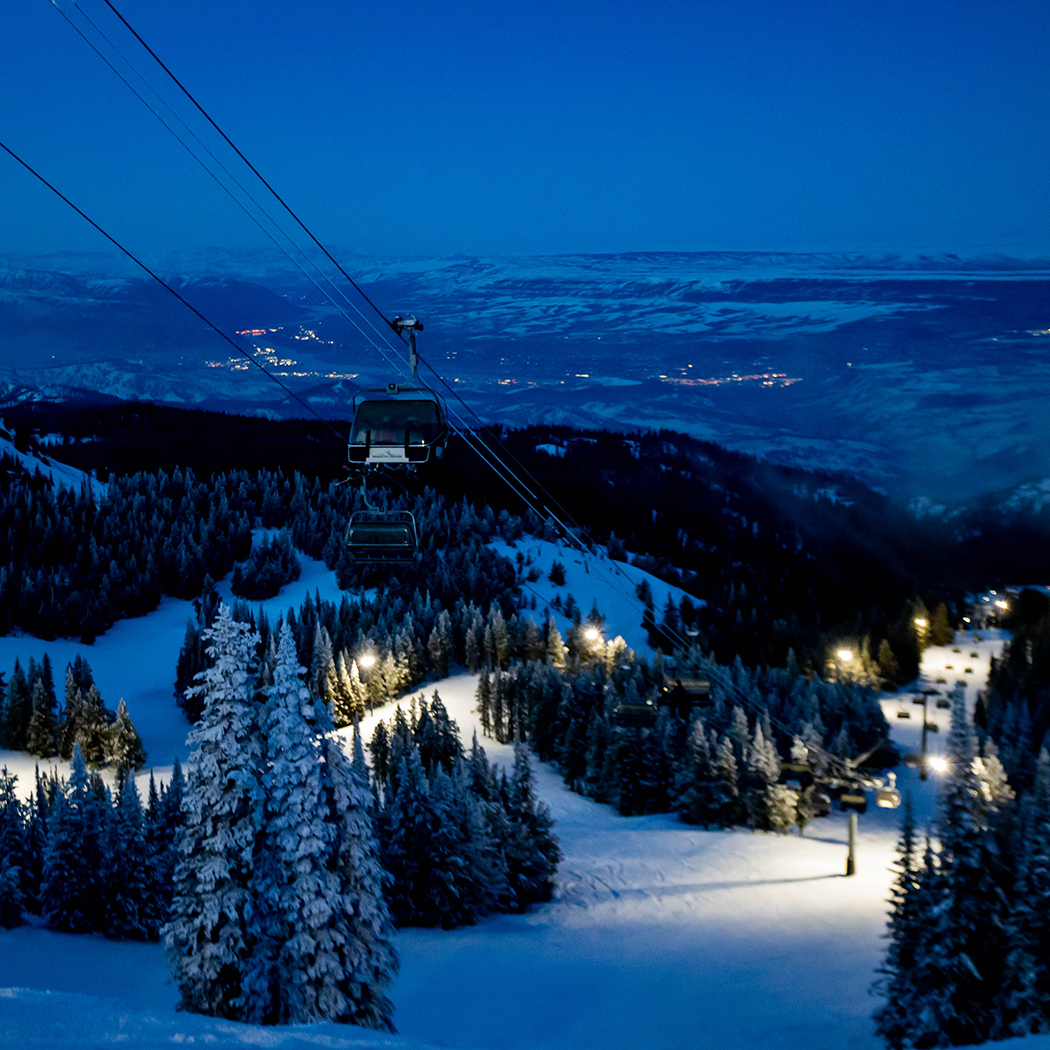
x=923 y=376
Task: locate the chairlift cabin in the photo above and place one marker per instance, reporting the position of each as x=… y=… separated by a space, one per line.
x=403 y=425
x=381 y=537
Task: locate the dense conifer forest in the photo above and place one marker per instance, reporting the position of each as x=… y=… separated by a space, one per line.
x=782 y=559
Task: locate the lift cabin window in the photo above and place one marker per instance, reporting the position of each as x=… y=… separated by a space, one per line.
x=397 y=423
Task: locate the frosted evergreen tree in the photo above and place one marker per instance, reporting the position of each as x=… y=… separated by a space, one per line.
x=125 y=745
x=321 y=661
x=41 y=735
x=555 y=645
x=13 y=853
x=338 y=692
x=73 y=892
x=770 y=805
x=700 y=789
x=207 y=941
x=906 y=933
x=369 y=962
x=471 y=652
x=289 y=887
x=15 y=711
x=92 y=727
x=1025 y=998
x=532 y=851
x=132 y=904
x=726 y=767
x=410 y=824
x=959 y=972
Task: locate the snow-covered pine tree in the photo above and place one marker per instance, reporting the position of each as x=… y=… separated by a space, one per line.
x=338 y=691
x=124 y=745
x=409 y=829
x=1025 y=997
x=906 y=933
x=294 y=893
x=92 y=727
x=15 y=711
x=13 y=849
x=133 y=908
x=41 y=735
x=770 y=805
x=532 y=851
x=959 y=971
x=357 y=991
x=207 y=942
x=700 y=788
x=72 y=895
x=555 y=645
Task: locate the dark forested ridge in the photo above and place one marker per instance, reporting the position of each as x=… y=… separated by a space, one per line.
x=783 y=558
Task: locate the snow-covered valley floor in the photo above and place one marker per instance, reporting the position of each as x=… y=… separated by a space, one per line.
x=660 y=935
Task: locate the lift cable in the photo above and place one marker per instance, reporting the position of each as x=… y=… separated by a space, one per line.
x=164 y=284
x=233 y=178
x=255 y=171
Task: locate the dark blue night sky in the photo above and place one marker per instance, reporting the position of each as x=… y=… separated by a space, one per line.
x=431 y=127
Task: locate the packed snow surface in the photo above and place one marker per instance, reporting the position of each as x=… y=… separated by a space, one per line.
x=659 y=935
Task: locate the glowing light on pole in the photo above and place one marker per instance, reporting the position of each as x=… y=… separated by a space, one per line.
x=845 y=655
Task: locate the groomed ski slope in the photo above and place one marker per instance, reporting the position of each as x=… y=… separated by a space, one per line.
x=660 y=936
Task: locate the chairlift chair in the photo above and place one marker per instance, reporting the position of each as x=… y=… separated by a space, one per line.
x=635 y=716
x=854 y=798
x=800 y=773
x=683 y=694
x=381 y=537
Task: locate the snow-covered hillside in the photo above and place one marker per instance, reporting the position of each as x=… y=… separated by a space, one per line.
x=59 y=473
